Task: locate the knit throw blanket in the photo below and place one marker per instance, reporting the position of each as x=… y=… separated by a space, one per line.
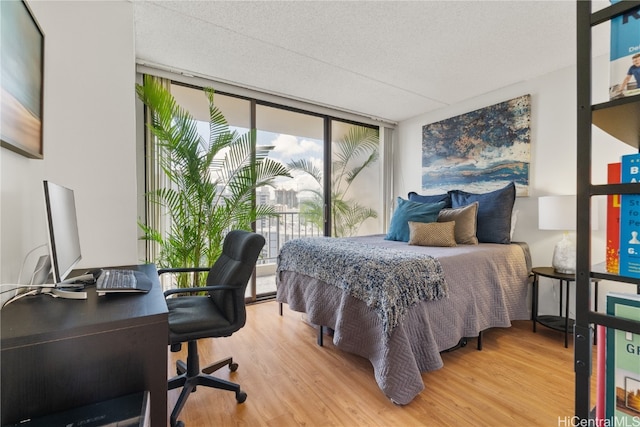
x=387 y=280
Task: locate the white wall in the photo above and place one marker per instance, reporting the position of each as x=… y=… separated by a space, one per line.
x=89 y=127
x=553 y=160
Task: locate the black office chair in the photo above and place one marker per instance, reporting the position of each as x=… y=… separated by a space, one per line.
x=219 y=313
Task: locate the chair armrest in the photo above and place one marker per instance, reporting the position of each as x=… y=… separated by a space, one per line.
x=183 y=270
x=198 y=289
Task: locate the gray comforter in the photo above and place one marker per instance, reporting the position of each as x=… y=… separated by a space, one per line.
x=487 y=287
x=387 y=280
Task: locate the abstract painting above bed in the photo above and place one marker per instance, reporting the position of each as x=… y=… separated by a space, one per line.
x=481 y=150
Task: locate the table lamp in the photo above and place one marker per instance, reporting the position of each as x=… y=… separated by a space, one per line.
x=559 y=213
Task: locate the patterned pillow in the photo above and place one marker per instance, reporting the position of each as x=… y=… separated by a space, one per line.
x=432 y=233
x=465 y=219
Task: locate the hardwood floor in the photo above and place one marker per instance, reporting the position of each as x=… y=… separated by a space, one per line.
x=520 y=378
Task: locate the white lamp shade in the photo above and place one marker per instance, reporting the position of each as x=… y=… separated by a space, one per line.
x=559 y=213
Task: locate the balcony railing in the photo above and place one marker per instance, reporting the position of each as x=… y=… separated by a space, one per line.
x=280 y=229
x=276 y=231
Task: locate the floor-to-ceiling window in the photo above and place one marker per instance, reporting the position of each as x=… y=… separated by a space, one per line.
x=296 y=140
x=356 y=197
x=341 y=197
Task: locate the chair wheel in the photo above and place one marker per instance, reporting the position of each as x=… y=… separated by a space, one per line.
x=241 y=396
x=233 y=367
x=179 y=424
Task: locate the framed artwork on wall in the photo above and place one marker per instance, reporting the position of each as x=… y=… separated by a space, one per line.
x=479 y=151
x=22 y=59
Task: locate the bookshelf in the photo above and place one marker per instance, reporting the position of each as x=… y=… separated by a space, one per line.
x=621 y=119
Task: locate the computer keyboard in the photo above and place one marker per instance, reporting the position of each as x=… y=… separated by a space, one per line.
x=116 y=280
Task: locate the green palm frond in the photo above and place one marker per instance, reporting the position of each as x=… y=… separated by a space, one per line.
x=359 y=141
x=355 y=152
x=312 y=210
x=307 y=167
x=212 y=183
x=353 y=173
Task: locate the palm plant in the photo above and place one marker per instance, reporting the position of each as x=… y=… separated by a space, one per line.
x=352 y=154
x=212 y=182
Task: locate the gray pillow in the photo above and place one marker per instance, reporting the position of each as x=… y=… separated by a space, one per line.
x=465 y=219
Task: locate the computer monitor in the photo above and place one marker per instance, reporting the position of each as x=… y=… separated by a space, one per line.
x=62 y=225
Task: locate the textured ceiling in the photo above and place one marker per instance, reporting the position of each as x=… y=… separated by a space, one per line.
x=384 y=59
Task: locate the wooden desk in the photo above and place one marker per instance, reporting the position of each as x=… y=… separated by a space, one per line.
x=57 y=354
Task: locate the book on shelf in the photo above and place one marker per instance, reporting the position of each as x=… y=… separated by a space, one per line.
x=601 y=367
x=629 y=264
x=613 y=220
x=624 y=68
x=623 y=363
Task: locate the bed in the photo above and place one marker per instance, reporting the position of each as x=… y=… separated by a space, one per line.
x=485 y=286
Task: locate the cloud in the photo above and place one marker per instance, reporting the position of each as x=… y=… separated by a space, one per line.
x=288 y=147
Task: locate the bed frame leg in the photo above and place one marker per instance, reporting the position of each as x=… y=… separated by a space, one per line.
x=280 y=308
x=463 y=343
x=320 y=330
x=460 y=344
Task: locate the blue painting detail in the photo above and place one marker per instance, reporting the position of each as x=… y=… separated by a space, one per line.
x=479 y=151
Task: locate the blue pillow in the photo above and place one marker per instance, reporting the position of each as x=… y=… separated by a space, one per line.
x=494 y=212
x=406 y=211
x=433 y=198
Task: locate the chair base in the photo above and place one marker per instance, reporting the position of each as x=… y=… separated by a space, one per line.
x=189 y=377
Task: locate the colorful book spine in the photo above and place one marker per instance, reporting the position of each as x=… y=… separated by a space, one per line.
x=613 y=220
x=623 y=363
x=601 y=368
x=625 y=54
x=630 y=219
